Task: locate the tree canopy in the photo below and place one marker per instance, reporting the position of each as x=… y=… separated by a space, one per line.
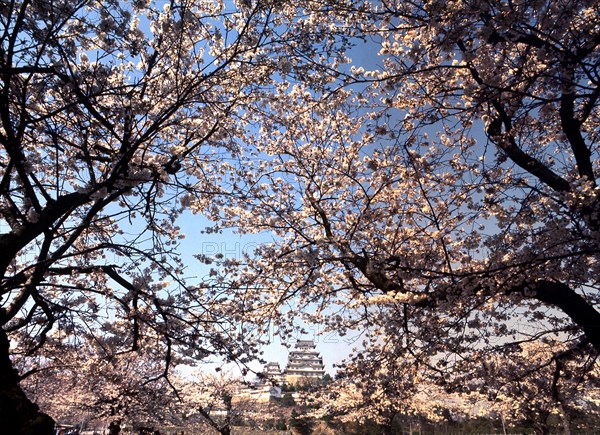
x=442 y=197
x=111 y=113
x=444 y=200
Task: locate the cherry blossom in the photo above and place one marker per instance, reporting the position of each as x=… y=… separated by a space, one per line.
x=443 y=200
x=112 y=114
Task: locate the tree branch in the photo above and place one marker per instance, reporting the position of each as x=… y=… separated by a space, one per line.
x=568 y=301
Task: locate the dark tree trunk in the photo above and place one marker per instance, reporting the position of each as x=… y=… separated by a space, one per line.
x=114 y=428
x=572 y=304
x=541 y=425
x=19 y=415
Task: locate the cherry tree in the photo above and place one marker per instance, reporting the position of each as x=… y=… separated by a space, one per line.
x=93 y=384
x=90 y=382
x=445 y=200
x=532 y=384
x=112 y=115
x=396 y=393
x=536 y=382
x=209 y=398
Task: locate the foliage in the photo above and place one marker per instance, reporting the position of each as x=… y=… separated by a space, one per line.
x=91 y=383
x=287 y=400
x=300 y=424
x=443 y=202
x=112 y=114
x=219 y=401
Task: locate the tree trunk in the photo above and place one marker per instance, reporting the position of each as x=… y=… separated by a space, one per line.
x=114 y=428
x=541 y=425
x=583 y=313
x=565 y=420
x=19 y=415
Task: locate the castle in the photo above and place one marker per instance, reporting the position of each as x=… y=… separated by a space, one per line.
x=305 y=365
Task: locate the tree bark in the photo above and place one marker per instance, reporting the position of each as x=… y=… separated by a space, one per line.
x=19 y=415
x=564 y=417
x=114 y=428
x=572 y=304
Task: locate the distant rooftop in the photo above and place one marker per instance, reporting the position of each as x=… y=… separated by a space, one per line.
x=305 y=343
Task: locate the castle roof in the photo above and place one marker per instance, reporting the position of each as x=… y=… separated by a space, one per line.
x=305 y=360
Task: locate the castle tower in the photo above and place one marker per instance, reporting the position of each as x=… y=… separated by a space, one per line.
x=272 y=373
x=305 y=364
